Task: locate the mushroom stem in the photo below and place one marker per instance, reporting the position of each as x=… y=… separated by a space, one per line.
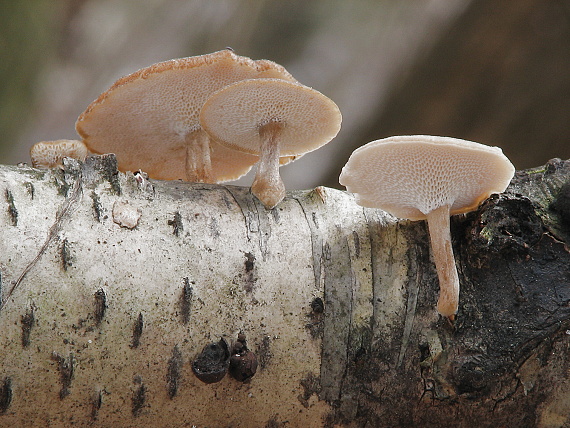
x=440 y=236
x=267 y=185
x=198 y=162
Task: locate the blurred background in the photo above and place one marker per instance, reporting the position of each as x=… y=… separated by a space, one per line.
x=492 y=71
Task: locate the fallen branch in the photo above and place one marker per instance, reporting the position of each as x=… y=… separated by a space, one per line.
x=105 y=310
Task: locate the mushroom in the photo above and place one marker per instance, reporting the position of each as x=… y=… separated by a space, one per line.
x=422 y=177
x=149 y=118
x=271 y=118
x=49 y=154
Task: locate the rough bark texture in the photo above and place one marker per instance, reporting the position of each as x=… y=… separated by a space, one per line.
x=115 y=286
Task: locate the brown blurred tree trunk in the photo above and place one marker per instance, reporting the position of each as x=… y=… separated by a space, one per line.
x=499 y=76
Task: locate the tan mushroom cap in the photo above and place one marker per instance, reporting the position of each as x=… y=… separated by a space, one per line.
x=271 y=118
x=423 y=177
x=149 y=117
x=49 y=154
x=233 y=116
x=409 y=176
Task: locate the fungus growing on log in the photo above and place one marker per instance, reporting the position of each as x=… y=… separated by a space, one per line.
x=272 y=118
x=422 y=177
x=149 y=119
x=50 y=154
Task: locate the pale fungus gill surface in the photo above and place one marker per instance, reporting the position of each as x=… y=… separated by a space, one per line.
x=271 y=118
x=149 y=119
x=429 y=178
x=49 y=154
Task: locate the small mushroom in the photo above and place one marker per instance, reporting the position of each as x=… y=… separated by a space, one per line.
x=149 y=118
x=429 y=178
x=271 y=118
x=50 y=154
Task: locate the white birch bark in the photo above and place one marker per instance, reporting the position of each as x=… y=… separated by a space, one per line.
x=249 y=270
x=112 y=285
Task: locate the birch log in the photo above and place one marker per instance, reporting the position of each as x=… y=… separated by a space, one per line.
x=112 y=285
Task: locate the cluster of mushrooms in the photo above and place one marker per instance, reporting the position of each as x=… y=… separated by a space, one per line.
x=206 y=119
x=210 y=118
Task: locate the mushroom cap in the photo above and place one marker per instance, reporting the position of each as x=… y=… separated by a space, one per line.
x=145 y=117
x=233 y=116
x=49 y=154
x=409 y=176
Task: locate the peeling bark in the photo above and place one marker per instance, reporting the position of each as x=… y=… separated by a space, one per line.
x=100 y=324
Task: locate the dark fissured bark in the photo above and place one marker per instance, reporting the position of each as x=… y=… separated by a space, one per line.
x=507 y=352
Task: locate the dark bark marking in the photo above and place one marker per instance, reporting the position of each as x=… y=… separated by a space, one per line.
x=337 y=317
x=316 y=318
x=30 y=188
x=137 y=331
x=250 y=259
x=139 y=397
x=12 y=211
x=264 y=354
x=59 y=181
x=5 y=395
x=96 y=205
x=186 y=301
x=65 y=254
x=100 y=306
x=356 y=239
x=27 y=323
x=317 y=305
x=249 y=272
x=96 y=403
x=106 y=167
x=311 y=385
x=176 y=224
x=173 y=374
x=65 y=367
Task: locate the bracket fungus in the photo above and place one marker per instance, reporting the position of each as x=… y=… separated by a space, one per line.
x=149 y=119
x=50 y=154
x=429 y=178
x=272 y=118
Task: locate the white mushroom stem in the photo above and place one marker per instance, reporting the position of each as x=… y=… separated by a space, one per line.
x=440 y=236
x=267 y=185
x=198 y=162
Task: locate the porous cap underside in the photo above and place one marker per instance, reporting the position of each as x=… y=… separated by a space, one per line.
x=409 y=176
x=47 y=154
x=234 y=115
x=145 y=118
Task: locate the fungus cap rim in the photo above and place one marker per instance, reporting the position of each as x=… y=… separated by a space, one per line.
x=327 y=125
x=441 y=166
